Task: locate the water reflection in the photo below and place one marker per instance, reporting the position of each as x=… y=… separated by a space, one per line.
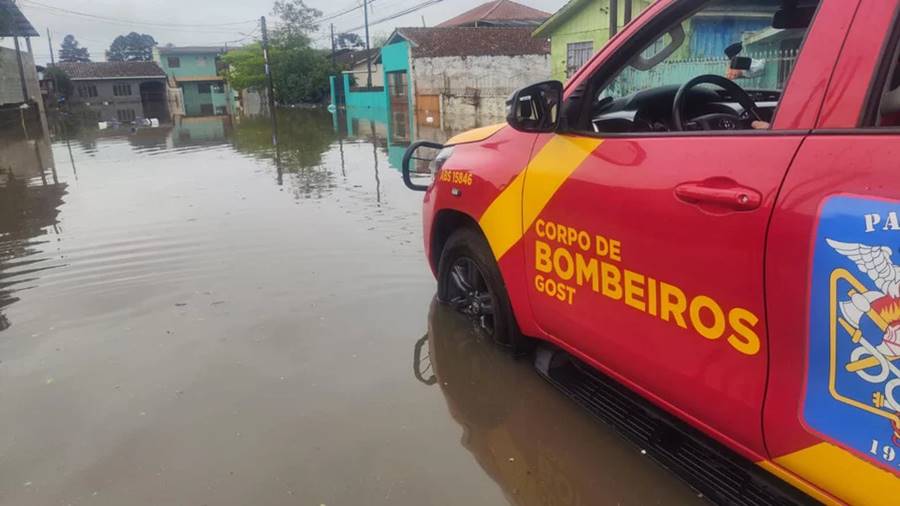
x=529 y=438
x=30 y=197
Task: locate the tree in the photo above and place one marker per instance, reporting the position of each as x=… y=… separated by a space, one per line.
x=300 y=72
x=70 y=52
x=132 y=47
x=61 y=80
x=298 y=20
x=245 y=67
x=349 y=41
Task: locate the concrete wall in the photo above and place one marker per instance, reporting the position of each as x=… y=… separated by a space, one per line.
x=477 y=85
x=10 y=82
x=492 y=75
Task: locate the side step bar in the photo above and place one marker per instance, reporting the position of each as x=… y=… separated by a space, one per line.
x=715 y=471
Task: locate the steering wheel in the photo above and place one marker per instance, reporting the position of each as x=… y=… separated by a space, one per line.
x=724 y=121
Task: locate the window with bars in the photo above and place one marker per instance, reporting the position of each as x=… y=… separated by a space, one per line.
x=174 y=62
x=577 y=54
x=125 y=115
x=397 y=84
x=87 y=91
x=122 y=90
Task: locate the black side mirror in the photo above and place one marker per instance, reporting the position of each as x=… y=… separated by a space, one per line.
x=741 y=63
x=536 y=108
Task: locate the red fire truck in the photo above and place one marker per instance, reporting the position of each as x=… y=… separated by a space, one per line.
x=702 y=227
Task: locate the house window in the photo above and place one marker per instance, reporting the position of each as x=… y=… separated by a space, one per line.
x=125 y=115
x=206 y=109
x=174 y=62
x=87 y=91
x=204 y=88
x=218 y=88
x=577 y=54
x=122 y=90
x=397 y=84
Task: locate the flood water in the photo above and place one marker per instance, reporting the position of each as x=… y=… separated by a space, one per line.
x=188 y=316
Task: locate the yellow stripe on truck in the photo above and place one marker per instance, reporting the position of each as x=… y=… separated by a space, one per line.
x=839 y=472
x=519 y=204
x=475 y=135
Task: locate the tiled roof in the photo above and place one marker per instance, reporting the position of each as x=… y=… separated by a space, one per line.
x=499 y=12
x=470 y=41
x=13 y=23
x=193 y=50
x=112 y=70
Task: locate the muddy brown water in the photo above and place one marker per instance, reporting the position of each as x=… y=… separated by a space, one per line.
x=181 y=322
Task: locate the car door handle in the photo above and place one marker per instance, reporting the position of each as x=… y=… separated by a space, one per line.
x=719 y=193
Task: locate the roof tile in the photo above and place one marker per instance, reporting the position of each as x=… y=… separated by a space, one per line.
x=112 y=70
x=497 y=12
x=471 y=41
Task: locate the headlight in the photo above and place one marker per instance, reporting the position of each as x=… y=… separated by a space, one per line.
x=438 y=163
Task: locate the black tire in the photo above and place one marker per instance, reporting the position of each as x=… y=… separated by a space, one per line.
x=467 y=246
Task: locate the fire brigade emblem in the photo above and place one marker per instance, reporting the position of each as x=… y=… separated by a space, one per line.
x=853 y=378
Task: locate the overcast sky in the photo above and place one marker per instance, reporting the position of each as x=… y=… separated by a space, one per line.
x=156 y=17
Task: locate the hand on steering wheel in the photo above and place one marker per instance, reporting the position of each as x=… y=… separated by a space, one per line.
x=724 y=121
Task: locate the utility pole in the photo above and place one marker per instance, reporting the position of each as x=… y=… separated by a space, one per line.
x=270 y=86
x=50 y=44
x=613 y=17
x=368 y=50
x=332 y=46
x=53 y=63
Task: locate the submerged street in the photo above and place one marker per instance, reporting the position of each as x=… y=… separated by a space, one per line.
x=188 y=316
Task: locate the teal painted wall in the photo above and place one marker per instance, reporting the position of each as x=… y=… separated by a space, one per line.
x=192 y=65
x=395 y=57
x=194 y=100
x=364 y=99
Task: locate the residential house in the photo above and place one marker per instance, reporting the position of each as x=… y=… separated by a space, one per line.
x=196 y=72
x=581 y=28
x=432 y=75
x=357 y=64
x=499 y=13
x=119 y=91
x=18 y=77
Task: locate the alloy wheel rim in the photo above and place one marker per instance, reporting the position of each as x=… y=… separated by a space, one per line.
x=469 y=294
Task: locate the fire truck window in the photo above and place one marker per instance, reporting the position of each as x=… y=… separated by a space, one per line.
x=889 y=108
x=753 y=43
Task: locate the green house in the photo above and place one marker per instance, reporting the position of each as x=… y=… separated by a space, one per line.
x=581 y=28
x=196 y=72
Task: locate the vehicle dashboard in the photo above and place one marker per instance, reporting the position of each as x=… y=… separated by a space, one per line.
x=651 y=110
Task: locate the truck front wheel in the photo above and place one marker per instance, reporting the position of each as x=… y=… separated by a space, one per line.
x=470 y=282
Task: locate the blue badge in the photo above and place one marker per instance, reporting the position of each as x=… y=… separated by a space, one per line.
x=853 y=375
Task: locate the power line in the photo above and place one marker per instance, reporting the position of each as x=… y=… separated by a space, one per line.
x=106 y=19
x=404 y=12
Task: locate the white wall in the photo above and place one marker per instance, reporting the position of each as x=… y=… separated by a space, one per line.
x=361 y=72
x=477 y=85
